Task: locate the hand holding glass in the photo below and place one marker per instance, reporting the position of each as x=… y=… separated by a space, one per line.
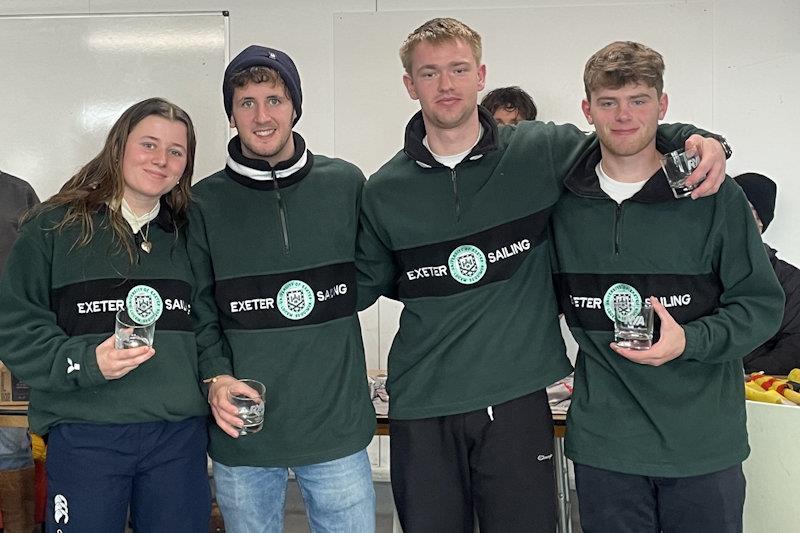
x=129 y=333
x=247 y=395
x=678 y=165
x=633 y=328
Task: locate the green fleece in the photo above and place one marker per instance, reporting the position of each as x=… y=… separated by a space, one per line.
x=705 y=261
x=58 y=302
x=274 y=263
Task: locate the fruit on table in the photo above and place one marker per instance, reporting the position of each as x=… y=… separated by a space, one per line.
x=769 y=389
x=754 y=392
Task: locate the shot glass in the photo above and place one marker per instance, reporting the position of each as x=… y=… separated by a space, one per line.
x=633 y=327
x=129 y=333
x=678 y=166
x=248 y=397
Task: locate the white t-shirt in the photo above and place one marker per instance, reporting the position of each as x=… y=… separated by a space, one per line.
x=617 y=190
x=452 y=160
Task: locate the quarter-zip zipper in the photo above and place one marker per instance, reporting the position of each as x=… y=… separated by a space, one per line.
x=281 y=214
x=617 y=220
x=454 y=180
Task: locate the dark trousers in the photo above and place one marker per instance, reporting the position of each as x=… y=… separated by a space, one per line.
x=447 y=469
x=95 y=471
x=613 y=502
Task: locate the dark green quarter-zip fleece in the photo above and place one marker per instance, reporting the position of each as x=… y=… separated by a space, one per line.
x=705 y=262
x=274 y=261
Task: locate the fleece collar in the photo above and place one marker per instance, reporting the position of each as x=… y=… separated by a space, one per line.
x=259 y=174
x=582 y=179
x=416 y=150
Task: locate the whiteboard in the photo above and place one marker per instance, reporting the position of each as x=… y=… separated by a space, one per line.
x=66 y=79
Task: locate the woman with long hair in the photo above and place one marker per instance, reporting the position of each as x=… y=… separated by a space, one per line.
x=126 y=426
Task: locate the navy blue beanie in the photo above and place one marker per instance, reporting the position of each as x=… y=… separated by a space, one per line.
x=260 y=56
x=761 y=192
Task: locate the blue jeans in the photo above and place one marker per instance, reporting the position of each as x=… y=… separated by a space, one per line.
x=15 y=449
x=338 y=494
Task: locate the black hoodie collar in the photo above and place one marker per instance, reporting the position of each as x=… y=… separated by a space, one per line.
x=582 y=179
x=415 y=132
x=235 y=152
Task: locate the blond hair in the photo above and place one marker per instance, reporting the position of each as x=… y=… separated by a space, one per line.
x=437 y=31
x=621 y=63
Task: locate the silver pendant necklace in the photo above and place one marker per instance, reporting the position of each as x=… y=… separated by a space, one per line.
x=146 y=245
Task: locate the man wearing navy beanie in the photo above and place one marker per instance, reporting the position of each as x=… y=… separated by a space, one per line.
x=272 y=245
x=259 y=56
x=780 y=354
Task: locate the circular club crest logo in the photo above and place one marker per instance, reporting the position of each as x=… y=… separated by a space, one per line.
x=626 y=299
x=467 y=264
x=295 y=300
x=144 y=304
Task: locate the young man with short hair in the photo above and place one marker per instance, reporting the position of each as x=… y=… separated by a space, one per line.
x=456 y=227
x=657 y=435
x=276 y=303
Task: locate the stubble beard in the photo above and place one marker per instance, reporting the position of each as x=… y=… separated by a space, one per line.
x=263 y=152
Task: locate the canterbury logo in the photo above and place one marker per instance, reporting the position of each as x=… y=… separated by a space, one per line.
x=545 y=457
x=61 y=510
x=72 y=367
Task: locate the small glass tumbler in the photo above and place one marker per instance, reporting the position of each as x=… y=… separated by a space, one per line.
x=248 y=397
x=677 y=167
x=130 y=333
x=633 y=328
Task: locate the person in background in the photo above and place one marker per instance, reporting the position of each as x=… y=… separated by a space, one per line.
x=126 y=427
x=16 y=462
x=657 y=435
x=509 y=105
x=780 y=354
x=272 y=242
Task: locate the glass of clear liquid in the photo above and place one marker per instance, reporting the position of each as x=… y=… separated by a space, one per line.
x=247 y=395
x=678 y=166
x=130 y=333
x=633 y=325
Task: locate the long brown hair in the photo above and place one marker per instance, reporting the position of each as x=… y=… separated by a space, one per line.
x=100 y=182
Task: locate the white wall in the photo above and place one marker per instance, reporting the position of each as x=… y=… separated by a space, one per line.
x=747 y=65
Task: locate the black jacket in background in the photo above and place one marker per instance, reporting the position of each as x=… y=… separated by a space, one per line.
x=16 y=197
x=781 y=353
